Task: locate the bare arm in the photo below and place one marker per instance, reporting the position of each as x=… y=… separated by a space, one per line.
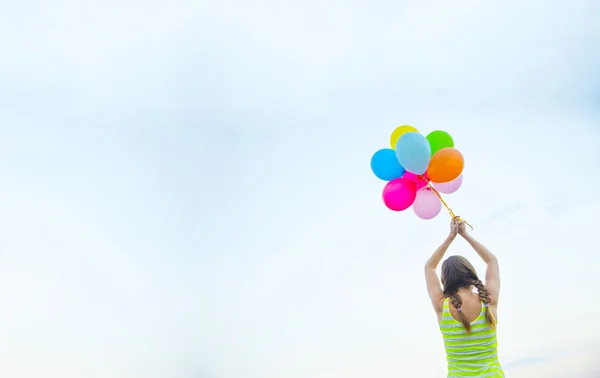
x=434 y=288
x=492 y=273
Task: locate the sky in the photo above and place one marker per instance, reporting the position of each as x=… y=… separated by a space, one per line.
x=185 y=187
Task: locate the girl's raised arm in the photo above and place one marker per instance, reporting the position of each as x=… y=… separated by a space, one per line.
x=492 y=273
x=434 y=287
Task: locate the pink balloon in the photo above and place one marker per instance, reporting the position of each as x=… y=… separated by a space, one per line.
x=427 y=205
x=419 y=181
x=450 y=186
x=399 y=194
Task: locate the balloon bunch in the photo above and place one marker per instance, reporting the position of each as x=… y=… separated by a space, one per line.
x=417 y=169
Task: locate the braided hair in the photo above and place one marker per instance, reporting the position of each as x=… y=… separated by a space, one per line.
x=456 y=301
x=486 y=299
x=457 y=272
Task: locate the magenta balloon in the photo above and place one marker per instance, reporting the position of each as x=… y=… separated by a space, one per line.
x=427 y=205
x=450 y=186
x=399 y=194
x=420 y=182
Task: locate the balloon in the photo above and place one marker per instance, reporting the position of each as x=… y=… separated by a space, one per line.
x=450 y=186
x=427 y=205
x=419 y=180
x=385 y=165
x=439 y=139
x=446 y=165
x=413 y=152
x=399 y=194
x=401 y=130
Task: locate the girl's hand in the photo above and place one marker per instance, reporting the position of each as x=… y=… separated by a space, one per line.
x=454 y=229
x=462 y=229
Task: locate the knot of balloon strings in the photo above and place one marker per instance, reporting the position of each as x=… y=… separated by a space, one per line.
x=454 y=216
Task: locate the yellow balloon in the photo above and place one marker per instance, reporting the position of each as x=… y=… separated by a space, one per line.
x=401 y=130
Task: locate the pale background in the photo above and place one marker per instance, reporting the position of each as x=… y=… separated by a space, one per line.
x=185 y=185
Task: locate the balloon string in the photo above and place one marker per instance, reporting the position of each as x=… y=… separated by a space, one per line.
x=454 y=216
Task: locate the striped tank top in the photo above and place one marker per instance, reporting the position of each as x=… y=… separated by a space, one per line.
x=474 y=354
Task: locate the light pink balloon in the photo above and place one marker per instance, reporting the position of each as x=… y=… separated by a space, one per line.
x=399 y=194
x=450 y=186
x=427 y=205
x=419 y=181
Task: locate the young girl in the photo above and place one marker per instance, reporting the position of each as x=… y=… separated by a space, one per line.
x=467 y=318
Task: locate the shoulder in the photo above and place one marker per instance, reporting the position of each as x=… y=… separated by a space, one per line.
x=440 y=304
x=441 y=307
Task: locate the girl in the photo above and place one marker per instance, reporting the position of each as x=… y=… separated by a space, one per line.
x=467 y=318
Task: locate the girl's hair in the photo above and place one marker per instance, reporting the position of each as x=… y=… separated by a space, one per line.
x=457 y=272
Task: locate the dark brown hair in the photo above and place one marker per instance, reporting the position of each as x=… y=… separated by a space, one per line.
x=457 y=272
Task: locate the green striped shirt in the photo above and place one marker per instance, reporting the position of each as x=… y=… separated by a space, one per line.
x=474 y=354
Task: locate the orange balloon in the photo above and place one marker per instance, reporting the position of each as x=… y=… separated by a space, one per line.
x=445 y=165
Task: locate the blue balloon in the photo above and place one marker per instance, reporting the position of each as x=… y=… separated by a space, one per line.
x=385 y=165
x=413 y=152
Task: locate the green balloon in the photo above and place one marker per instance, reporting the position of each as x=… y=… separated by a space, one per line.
x=439 y=139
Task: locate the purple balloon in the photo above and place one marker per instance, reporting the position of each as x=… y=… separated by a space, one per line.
x=450 y=186
x=399 y=194
x=427 y=205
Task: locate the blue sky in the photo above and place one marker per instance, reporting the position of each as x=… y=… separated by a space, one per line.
x=186 y=188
